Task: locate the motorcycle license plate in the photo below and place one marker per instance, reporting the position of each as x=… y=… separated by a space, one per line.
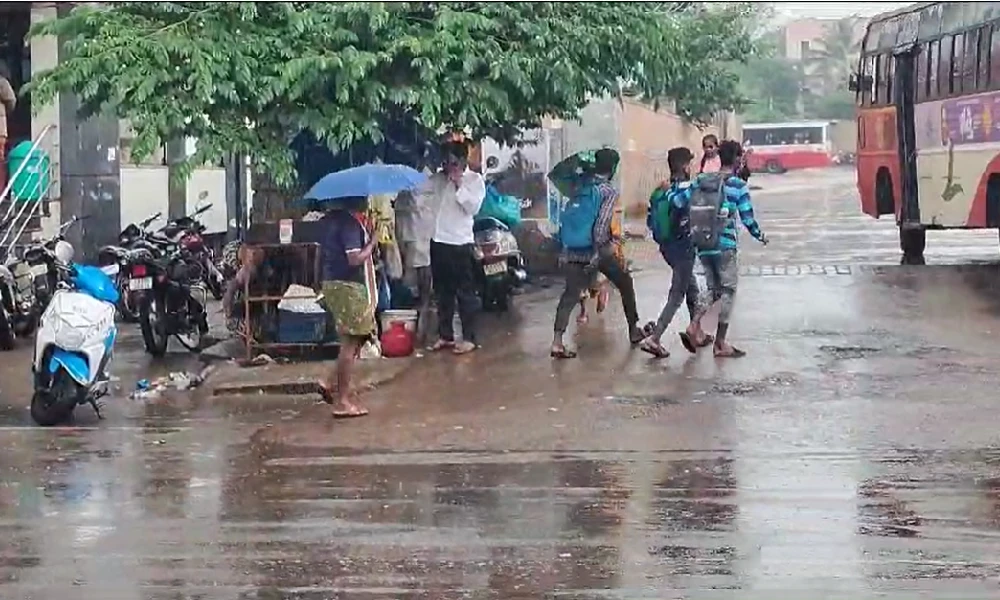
x=495 y=268
x=142 y=283
x=37 y=270
x=111 y=270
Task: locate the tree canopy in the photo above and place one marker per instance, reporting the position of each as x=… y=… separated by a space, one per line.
x=246 y=77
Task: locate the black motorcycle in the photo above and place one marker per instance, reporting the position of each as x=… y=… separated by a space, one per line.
x=190 y=231
x=27 y=285
x=170 y=298
x=114 y=260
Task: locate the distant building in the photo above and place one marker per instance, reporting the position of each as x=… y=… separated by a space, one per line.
x=801 y=38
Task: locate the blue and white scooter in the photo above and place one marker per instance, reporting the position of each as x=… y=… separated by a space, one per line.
x=74 y=341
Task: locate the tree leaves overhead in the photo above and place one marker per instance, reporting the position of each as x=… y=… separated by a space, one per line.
x=246 y=77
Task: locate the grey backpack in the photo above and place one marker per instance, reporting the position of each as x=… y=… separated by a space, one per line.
x=707 y=195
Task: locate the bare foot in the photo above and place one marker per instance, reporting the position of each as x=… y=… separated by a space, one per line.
x=583 y=319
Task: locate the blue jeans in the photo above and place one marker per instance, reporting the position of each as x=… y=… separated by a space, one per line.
x=683 y=285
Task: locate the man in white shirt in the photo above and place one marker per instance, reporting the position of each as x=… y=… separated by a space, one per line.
x=455 y=194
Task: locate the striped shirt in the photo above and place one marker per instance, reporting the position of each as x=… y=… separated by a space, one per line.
x=735 y=205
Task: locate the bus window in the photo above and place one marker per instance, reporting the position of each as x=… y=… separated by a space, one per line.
x=970 y=66
x=921 y=91
x=944 y=67
x=983 y=81
x=881 y=78
x=995 y=64
x=957 y=54
x=868 y=69
x=933 y=57
x=890 y=74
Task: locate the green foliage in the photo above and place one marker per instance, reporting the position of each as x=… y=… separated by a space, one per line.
x=773 y=83
x=775 y=86
x=836 y=105
x=245 y=77
x=830 y=63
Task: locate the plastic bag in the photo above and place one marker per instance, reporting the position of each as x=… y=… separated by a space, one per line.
x=504 y=208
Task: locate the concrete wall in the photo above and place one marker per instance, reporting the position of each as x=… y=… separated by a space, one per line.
x=45 y=55
x=646 y=136
x=144 y=192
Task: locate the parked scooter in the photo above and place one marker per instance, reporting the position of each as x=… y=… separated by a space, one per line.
x=502 y=265
x=74 y=342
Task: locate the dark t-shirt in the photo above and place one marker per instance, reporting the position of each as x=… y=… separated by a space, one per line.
x=343 y=233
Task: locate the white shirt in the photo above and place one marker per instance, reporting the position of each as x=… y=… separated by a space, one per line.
x=455 y=207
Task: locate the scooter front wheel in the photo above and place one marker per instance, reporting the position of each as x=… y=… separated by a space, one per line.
x=55 y=405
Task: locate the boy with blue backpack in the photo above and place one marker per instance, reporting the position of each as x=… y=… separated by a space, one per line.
x=716 y=201
x=589 y=244
x=669 y=220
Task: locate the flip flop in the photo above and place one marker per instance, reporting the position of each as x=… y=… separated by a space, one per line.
x=655 y=349
x=735 y=353
x=562 y=354
x=464 y=348
x=352 y=413
x=440 y=345
x=688 y=342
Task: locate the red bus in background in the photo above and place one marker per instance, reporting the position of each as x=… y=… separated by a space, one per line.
x=780 y=147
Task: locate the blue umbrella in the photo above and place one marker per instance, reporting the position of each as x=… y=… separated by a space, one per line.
x=366 y=180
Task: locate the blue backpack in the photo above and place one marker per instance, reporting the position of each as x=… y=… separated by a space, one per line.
x=578 y=216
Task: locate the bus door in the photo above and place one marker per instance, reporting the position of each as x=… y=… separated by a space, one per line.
x=903 y=86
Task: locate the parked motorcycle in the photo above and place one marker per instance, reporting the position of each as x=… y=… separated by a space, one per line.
x=115 y=259
x=188 y=231
x=43 y=262
x=74 y=343
x=27 y=285
x=170 y=297
x=502 y=264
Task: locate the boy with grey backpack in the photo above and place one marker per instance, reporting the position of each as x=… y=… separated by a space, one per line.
x=716 y=201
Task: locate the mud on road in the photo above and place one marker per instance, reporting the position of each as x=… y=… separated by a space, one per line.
x=853 y=454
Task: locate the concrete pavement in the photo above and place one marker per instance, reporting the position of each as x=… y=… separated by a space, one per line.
x=853 y=454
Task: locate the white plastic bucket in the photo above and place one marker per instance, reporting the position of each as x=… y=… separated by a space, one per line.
x=407 y=317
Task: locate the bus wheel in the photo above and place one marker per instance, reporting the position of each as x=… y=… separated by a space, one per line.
x=773 y=167
x=912 y=242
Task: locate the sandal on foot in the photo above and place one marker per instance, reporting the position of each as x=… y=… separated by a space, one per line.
x=654 y=348
x=688 y=343
x=351 y=413
x=464 y=348
x=441 y=345
x=562 y=353
x=733 y=352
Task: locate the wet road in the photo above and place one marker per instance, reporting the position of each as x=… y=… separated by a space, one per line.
x=854 y=454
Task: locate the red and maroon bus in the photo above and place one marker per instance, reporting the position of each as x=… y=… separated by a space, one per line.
x=780 y=147
x=928 y=92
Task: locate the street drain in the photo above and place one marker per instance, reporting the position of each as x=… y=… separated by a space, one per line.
x=747 y=388
x=849 y=352
x=643 y=400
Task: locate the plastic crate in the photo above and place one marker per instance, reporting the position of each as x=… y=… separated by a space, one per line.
x=301 y=328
